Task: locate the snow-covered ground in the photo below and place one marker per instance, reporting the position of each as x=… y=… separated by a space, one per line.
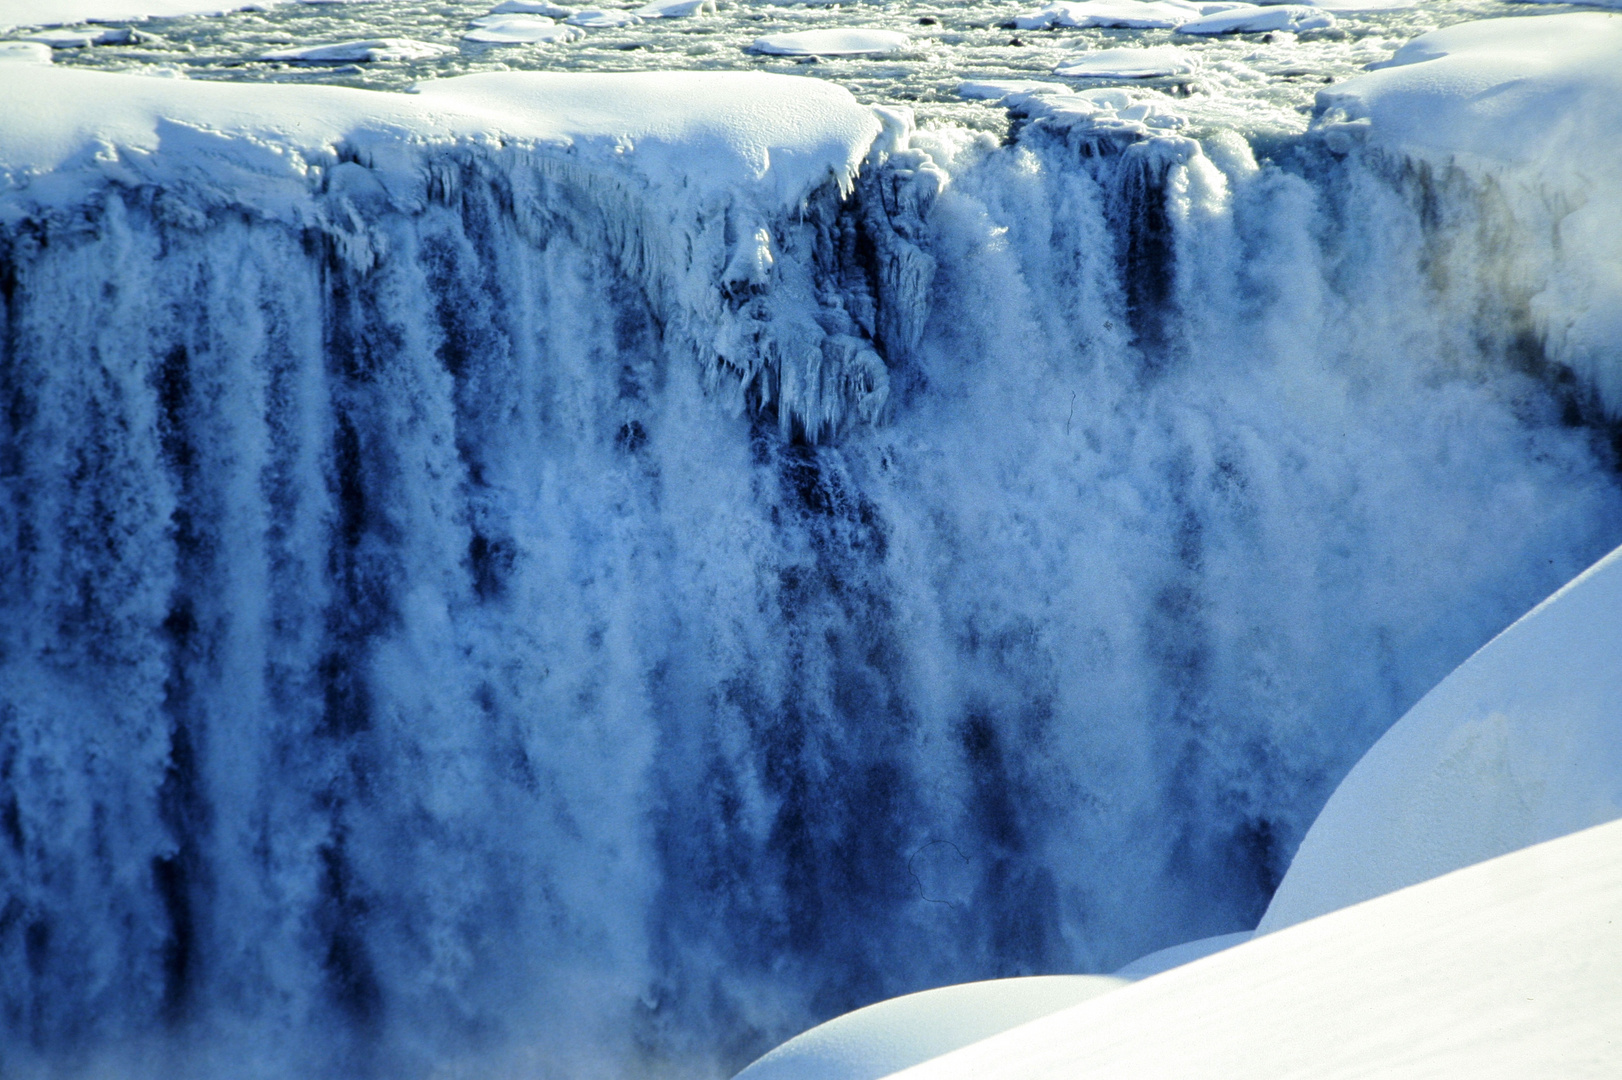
x=1507 y=969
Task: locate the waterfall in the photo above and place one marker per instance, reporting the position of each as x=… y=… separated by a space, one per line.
x=472 y=636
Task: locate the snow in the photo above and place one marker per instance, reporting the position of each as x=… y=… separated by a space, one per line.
x=1178 y=955
x=1521 y=744
x=853 y=42
x=1132 y=14
x=1289 y=17
x=368 y=51
x=1538 y=88
x=1509 y=968
x=25 y=52
x=67 y=12
x=520 y=30
x=1528 y=106
x=1156 y=60
x=774 y=136
x=676 y=9
x=904 y=1031
x=602 y=19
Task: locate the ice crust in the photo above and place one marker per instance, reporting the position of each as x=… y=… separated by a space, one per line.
x=1510 y=968
x=901 y=1032
x=1522 y=744
x=380 y=49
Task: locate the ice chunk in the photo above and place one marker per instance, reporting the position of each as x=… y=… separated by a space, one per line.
x=531 y=7
x=1511 y=968
x=997 y=89
x=1522 y=743
x=1346 y=6
x=520 y=30
x=367 y=51
x=83 y=37
x=26 y=52
x=853 y=42
x=1126 y=14
x=602 y=19
x=676 y=9
x=1146 y=63
x=893 y=1035
x=1291 y=17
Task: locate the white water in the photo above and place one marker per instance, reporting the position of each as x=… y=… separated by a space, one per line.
x=419 y=658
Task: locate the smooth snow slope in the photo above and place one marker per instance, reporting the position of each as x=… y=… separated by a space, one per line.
x=1521 y=744
x=1511 y=968
x=900 y=1032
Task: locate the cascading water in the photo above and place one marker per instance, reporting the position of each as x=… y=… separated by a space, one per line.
x=436 y=643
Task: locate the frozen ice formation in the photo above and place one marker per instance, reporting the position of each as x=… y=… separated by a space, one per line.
x=1289 y=17
x=371 y=51
x=1522 y=744
x=895 y=1034
x=852 y=42
x=520 y=30
x=1144 y=63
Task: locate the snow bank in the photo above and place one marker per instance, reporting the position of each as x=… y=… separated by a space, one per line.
x=25 y=52
x=1525 y=109
x=1291 y=17
x=895 y=1034
x=1540 y=88
x=1178 y=955
x=1521 y=744
x=1510 y=968
x=696 y=174
x=520 y=30
x=855 y=42
x=1156 y=60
